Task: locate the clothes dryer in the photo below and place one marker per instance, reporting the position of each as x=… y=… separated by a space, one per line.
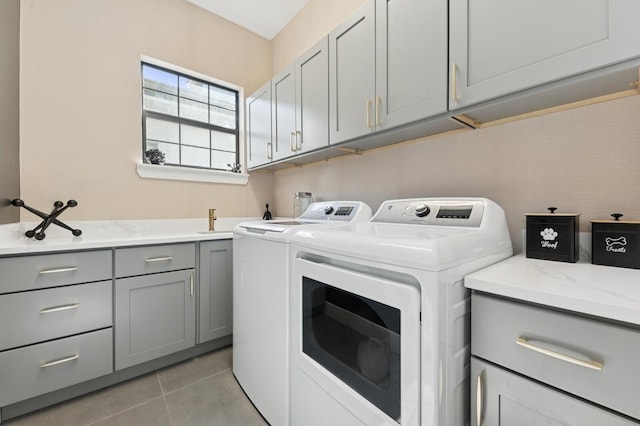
x=380 y=318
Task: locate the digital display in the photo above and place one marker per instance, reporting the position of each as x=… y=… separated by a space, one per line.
x=454 y=213
x=344 y=211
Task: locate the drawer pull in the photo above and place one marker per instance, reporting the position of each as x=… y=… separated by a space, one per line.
x=479 y=389
x=59 y=308
x=59 y=361
x=158 y=259
x=595 y=365
x=56 y=270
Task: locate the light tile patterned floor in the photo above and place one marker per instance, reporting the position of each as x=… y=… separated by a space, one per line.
x=200 y=391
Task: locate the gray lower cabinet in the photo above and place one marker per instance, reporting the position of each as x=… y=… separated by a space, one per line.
x=154 y=316
x=387 y=67
x=155 y=308
x=533 y=365
x=498 y=47
x=55 y=322
x=216 y=290
x=502 y=398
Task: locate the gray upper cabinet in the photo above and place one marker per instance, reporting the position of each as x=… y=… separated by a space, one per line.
x=283 y=107
x=300 y=104
x=411 y=53
x=312 y=98
x=352 y=84
x=499 y=47
x=259 y=146
x=387 y=67
x=216 y=290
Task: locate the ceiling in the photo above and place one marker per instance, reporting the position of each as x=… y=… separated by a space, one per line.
x=263 y=17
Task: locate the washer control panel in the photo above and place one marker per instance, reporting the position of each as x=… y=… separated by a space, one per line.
x=465 y=212
x=345 y=211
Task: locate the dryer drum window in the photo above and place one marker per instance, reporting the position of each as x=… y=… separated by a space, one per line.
x=355 y=338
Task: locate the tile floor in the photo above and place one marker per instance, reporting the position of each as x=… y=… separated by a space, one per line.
x=200 y=391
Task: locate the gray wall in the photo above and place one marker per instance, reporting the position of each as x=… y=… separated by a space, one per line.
x=9 y=109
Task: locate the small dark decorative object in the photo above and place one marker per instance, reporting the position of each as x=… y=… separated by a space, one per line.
x=267 y=214
x=615 y=242
x=553 y=236
x=154 y=156
x=234 y=168
x=47 y=219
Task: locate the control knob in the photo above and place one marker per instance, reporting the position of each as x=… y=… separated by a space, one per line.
x=328 y=210
x=422 y=210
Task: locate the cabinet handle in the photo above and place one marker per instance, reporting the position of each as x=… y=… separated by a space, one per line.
x=454 y=82
x=595 y=365
x=56 y=270
x=269 y=149
x=298 y=140
x=369 y=125
x=378 y=105
x=59 y=361
x=59 y=308
x=292 y=145
x=479 y=405
x=158 y=259
x=191 y=276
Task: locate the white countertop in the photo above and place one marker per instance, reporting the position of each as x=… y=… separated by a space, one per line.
x=602 y=291
x=118 y=233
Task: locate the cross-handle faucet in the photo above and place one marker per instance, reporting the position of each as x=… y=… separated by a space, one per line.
x=212 y=219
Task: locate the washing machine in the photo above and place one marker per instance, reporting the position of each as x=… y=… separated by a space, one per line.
x=380 y=318
x=261 y=301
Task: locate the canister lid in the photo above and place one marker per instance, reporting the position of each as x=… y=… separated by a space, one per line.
x=616 y=219
x=552 y=212
x=303 y=195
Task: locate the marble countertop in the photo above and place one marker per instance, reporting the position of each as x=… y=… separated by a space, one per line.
x=603 y=291
x=118 y=233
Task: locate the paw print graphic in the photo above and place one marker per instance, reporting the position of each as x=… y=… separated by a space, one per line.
x=548 y=234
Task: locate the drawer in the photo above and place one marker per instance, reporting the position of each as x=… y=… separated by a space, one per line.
x=153 y=259
x=38 y=369
x=36 y=316
x=50 y=270
x=550 y=343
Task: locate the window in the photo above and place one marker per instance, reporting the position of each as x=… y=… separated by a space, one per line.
x=194 y=122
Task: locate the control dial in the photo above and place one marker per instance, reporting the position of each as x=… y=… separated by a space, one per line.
x=422 y=210
x=328 y=210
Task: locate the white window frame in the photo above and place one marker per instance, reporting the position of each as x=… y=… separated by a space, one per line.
x=151 y=171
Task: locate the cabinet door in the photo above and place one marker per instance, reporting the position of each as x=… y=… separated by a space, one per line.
x=499 y=397
x=312 y=98
x=352 y=76
x=154 y=316
x=499 y=47
x=258 y=141
x=411 y=58
x=283 y=107
x=216 y=290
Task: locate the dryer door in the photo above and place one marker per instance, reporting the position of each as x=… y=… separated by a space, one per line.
x=358 y=337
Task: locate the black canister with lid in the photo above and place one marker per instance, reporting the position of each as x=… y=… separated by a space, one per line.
x=615 y=242
x=552 y=236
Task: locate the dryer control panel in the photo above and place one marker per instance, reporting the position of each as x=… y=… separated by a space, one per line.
x=465 y=212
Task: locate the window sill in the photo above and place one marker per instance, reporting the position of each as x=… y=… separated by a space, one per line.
x=153 y=171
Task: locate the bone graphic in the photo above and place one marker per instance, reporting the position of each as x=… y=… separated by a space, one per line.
x=611 y=241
